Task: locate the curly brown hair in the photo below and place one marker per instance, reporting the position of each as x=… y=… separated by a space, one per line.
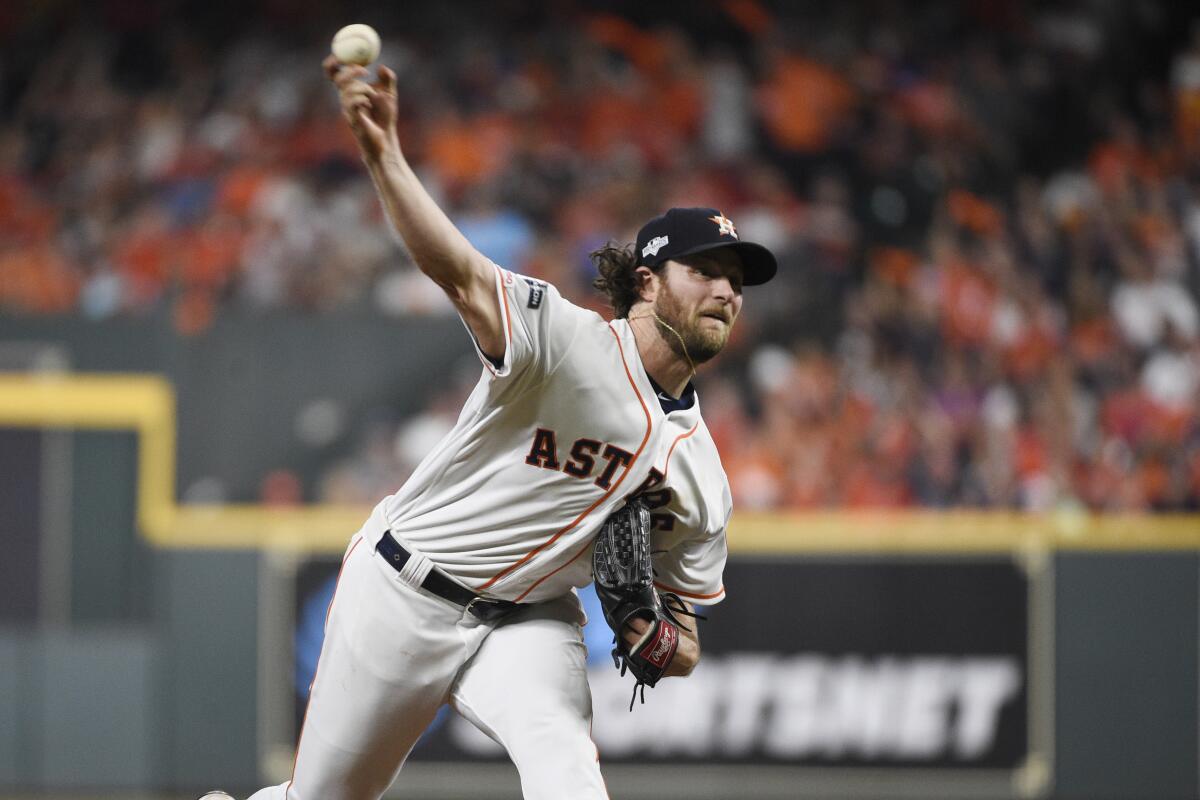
x=616 y=264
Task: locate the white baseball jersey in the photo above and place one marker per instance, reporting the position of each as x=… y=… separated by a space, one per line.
x=550 y=442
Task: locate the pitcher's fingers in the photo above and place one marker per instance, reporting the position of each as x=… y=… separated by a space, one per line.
x=334 y=68
x=387 y=80
x=359 y=89
x=347 y=74
x=352 y=105
x=364 y=122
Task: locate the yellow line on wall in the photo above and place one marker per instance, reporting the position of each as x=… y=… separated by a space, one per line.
x=958 y=531
x=310 y=528
x=145 y=405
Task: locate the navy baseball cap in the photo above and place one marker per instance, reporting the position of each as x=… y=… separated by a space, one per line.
x=687 y=231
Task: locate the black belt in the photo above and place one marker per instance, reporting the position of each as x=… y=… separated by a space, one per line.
x=485 y=608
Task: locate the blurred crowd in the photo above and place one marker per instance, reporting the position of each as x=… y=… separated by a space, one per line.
x=987 y=214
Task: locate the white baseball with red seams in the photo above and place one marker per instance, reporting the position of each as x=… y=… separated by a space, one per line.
x=356 y=44
x=550 y=442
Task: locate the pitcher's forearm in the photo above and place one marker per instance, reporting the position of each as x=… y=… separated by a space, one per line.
x=438 y=247
x=687 y=656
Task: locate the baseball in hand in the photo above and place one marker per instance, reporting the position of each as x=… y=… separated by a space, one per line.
x=356 y=44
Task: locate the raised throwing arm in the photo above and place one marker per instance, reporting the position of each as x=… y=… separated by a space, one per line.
x=438 y=248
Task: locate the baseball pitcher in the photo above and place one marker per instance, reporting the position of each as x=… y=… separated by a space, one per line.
x=581 y=452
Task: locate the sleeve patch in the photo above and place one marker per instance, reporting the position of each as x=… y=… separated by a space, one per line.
x=537 y=291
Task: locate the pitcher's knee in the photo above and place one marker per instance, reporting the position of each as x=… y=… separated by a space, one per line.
x=551 y=737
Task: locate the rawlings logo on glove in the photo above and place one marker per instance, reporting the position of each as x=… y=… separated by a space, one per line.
x=624 y=577
x=662 y=648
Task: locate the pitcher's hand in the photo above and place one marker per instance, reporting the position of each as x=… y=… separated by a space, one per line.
x=369 y=108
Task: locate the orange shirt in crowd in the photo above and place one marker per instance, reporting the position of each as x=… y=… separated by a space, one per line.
x=1032 y=351
x=967 y=302
x=23 y=216
x=868 y=486
x=142 y=254
x=37 y=279
x=209 y=256
x=239 y=187
x=467 y=151
x=803 y=103
x=974 y=213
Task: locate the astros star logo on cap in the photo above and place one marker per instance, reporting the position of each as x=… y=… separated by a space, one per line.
x=725 y=224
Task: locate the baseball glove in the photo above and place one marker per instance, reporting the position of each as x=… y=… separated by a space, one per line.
x=624 y=578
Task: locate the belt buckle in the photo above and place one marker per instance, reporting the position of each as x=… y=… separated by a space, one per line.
x=487 y=607
x=477 y=599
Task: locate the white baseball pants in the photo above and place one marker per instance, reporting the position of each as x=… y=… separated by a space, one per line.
x=394 y=654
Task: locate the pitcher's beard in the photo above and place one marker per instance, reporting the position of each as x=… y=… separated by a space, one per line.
x=687 y=339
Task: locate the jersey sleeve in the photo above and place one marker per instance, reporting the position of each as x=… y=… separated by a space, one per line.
x=693 y=569
x=539 y=327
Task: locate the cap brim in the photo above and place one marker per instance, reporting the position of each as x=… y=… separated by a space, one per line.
x=758 y=263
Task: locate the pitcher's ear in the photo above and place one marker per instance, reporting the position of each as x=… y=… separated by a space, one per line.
x=647 y=282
